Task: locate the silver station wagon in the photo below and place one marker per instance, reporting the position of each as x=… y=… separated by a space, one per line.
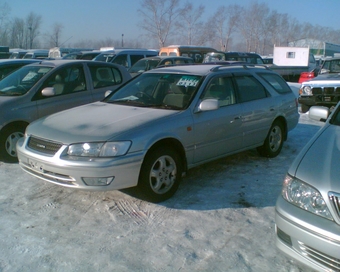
x=153 y=129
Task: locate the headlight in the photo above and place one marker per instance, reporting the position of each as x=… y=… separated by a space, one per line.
x=101 y=149
x=306 y=90
x=305 y=197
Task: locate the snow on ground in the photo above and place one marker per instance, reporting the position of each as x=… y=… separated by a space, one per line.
x=221 y=219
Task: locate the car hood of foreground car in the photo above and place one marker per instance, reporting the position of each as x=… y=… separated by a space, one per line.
x=330 y=78
x=319 y=165
x=94 y=122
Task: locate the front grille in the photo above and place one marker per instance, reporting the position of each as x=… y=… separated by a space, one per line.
x=43 y=146
x=335 y=200
x=320 y=258
x=326 y=94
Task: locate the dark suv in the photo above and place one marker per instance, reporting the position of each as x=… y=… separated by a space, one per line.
x=324 y=89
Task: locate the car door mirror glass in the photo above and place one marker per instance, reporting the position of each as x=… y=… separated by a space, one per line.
x=48 y=91
x=208 y=105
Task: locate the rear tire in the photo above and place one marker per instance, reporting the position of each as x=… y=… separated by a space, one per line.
x=160 y=175
x=273 y=144
x=8 y=140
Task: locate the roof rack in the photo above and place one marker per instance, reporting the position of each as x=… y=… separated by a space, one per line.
x=245 y=66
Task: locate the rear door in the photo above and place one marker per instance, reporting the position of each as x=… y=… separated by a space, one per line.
x=259 y=109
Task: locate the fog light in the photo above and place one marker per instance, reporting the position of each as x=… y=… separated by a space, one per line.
x=98 y=181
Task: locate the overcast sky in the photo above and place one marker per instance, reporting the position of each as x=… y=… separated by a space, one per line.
x=102 y=19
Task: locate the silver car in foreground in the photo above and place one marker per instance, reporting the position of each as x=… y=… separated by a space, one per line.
x=308 y=210
x=153 y=129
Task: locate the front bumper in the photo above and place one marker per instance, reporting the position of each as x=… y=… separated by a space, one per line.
x=308 y=238
x=319 y=100
x=123 y=172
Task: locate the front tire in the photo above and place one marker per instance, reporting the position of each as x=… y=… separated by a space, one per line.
x=160 y=175
x=273 y=144
x=8 y=140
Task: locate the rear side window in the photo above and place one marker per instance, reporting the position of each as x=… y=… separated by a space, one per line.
x=276 y=82
x=249 y=88
x=103 y=76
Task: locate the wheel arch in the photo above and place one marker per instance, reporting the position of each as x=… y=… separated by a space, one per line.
x=283 y=121
x=14 y=124
x=173 y=144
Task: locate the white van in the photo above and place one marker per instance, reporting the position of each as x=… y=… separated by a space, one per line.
x=125 y=57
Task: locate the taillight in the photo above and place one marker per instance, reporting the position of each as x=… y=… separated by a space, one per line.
x=304 y=76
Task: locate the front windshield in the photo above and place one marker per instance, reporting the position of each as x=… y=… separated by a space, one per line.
x=22 y=80
x=212 y=57
x=107 y=57
x=166 y=91
x=144 y=65
x=331 y=66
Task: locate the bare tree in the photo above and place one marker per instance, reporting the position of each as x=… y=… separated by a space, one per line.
x=33 y=22
x=188 y=22
x=158 y=18
x=224 y=22
x=17 y=33
x=4 y=22
x=56 y=33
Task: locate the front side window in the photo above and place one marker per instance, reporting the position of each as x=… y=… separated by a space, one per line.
x=222 y=89
x=66 y=80
x=135 y=58
x=164 y=91
x=103 y=76
x=121 y=60
x=249 y=88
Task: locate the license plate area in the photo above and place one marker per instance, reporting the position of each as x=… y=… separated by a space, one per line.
x=36 y=166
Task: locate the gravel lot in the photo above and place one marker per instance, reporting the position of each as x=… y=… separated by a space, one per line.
x=221 y=219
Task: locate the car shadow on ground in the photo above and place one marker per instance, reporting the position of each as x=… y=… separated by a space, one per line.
x=241 y=180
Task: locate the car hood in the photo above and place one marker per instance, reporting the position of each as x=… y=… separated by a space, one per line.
x=94 y=122
x=319 y=165
x=329 y=76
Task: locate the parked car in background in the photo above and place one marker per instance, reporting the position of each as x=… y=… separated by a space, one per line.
x=267 y=59
x=125 y=57
x=85 y=55
x=7 y=66
x=308 y=210
x=36 y=54
x=250 y=58
x=324 y=89
x=150 y=63
x=17 y=53
x=160 y=124
x=47 y=87
x=60 y=52
x=197 y=53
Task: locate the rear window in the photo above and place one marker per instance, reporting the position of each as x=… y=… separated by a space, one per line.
x=276 y=82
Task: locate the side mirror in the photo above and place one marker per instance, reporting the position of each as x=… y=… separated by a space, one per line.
x=48 y=91
x=208 y=105
x=107 y=93
x=319 y=113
